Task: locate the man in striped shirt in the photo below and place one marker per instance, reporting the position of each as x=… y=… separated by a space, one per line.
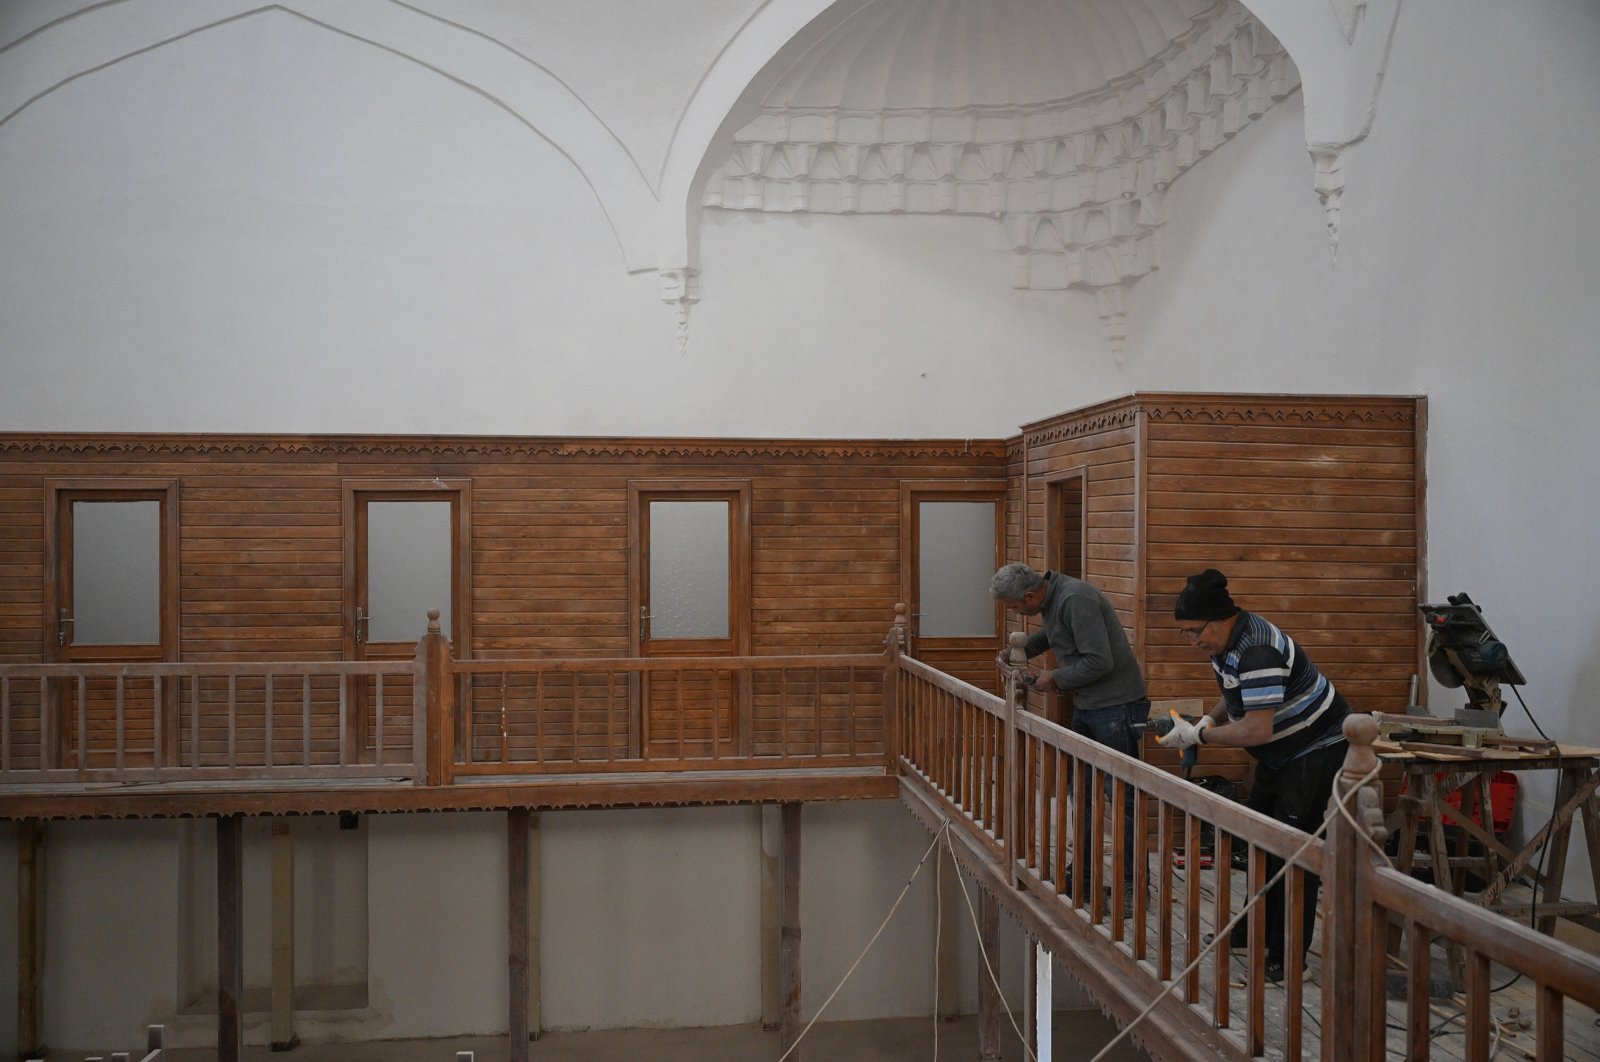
x=1279 y=707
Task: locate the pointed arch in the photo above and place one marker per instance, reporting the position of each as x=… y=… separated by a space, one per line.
x=96 y=38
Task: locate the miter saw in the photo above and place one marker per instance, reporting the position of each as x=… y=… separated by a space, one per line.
x=1464 y=653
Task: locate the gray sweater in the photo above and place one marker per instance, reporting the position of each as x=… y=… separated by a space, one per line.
x=1093 y=657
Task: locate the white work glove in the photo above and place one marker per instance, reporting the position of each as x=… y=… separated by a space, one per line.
x=1184 y=733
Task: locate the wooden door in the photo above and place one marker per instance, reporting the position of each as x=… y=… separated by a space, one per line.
x=111 y=596
x=951 y=543
x=690 y=597
x=407 y=551
x=1066 y=551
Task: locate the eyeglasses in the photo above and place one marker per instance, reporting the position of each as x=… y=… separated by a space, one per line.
x=1194 y=634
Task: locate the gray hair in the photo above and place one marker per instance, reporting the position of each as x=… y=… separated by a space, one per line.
x=1013 y=581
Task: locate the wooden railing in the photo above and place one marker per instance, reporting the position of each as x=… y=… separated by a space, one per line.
x=434 y=720
x=162 y=722
x=720 y=713
x=1022 y=791
x=1388 y=934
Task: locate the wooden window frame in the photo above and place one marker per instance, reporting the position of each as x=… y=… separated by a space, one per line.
x=737 y=493
x=460 y=634
x=59 y=492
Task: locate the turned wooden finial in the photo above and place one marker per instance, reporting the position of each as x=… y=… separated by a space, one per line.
x=1018 y=656
x=1360 y=730
x=433 y=621
x=902 y=614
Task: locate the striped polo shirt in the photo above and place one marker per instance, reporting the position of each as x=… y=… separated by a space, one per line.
x=1262 y=668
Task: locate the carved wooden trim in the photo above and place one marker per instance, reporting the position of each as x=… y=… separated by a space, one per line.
x=17 y=444
x=1397 y=410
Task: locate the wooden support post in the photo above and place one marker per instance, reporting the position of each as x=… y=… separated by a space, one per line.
x=949 y=886
x=30 y=936
x=535 y=926
x=789 y=936
x=989 y=1002
x=230 y=936
x=517 y=828
x=1567 y=783
x=771 y=849
x=282 y=1036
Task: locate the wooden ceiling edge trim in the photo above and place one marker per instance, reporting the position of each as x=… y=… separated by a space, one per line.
x=1219 y=407
x=388 y=446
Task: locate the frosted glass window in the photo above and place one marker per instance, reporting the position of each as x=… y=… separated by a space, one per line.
x=116 y=573
x=689 y=569
x=956 y=562
x=409 y=559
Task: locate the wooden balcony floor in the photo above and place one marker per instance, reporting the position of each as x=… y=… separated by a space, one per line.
x=488 y=793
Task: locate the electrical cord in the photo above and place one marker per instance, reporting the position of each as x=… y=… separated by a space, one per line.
x=1544 y=848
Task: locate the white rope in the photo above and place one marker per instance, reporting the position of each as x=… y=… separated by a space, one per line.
x=883 y=925
x=989 y=967
x=1226 y=930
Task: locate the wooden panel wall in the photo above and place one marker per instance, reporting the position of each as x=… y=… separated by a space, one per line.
x=1312 y=508
x=1100 y=443
x=1312 y=505
x=262 y=535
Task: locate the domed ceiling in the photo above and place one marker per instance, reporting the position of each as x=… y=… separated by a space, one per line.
x=1066 y=120
x=960 y=53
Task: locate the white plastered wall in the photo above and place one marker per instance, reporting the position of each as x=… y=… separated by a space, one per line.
x=273 y=228
x=1467 y=271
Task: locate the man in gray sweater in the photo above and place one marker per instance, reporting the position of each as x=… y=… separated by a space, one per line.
x=1093 y=660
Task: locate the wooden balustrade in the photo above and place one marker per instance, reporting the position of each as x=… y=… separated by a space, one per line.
x=580 y=716
x=433 y=719
x=1028 y=796
x=152 y=722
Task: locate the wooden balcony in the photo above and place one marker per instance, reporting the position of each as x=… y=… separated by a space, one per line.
x=435 y=733
x=1013 y=795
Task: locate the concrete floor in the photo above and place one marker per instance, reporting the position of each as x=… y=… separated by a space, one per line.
x=1077 y=1035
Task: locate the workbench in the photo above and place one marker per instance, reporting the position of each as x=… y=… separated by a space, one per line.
x=1432 y=774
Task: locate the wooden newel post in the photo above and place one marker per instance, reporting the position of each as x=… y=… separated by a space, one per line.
x=433 y=705
x=1017 y=658
x=1353 y=946
x=893 y=645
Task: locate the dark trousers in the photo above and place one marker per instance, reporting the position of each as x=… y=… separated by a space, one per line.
x=1112 y=726
x=1296 y=794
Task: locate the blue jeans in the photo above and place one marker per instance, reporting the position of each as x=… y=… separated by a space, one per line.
x=1113 y=727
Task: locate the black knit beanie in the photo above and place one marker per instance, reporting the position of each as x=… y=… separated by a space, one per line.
x=1205 y=597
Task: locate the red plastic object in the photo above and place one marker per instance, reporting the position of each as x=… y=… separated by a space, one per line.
x=1502 y=800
